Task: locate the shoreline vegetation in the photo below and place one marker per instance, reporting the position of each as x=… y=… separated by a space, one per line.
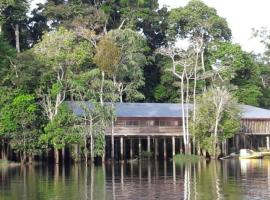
x=7 y=163
x=184 y=158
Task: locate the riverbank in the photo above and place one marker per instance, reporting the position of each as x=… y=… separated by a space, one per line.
x=183 y=158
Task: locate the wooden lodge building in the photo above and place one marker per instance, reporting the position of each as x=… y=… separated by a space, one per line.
x=157 y=127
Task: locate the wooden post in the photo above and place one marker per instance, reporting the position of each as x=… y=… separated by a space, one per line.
x=112 y=141
x=92 y=149
x=268 y=142
x=156 y=148
x=237 y=142
x=181 y=145
x=164 y=148
x=173 y=146
x=140 y=147
x=63 y=154
x=56 y=156
x=148 y=144
x=245 y=142
x=131 y=149
x=124 y=148
x=121 y=148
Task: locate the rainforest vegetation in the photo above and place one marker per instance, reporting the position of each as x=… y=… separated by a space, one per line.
x=118 y=51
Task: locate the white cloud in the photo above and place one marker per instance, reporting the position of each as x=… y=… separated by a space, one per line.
x=242 y=16
x=35 y=2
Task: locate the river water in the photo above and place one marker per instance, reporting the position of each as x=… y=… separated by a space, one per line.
x=230 y=179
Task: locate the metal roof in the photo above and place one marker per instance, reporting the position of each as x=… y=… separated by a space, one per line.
x=164 y=110
x=252 y=112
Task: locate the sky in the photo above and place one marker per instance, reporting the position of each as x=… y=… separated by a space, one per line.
x=241 y=15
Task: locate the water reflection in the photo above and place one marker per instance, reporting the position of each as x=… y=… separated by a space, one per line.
x=230 y=179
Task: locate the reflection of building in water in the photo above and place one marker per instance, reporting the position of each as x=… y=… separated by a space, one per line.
x=250 y=165
x=157 y=128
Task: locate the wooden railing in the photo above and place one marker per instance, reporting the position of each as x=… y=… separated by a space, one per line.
x=146 y=131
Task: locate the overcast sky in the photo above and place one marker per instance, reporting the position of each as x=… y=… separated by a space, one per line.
x=242 y=16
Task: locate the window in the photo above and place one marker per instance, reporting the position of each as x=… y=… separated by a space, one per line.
x=120 y=122
x=132 y=123
x=149 y=123
x=168 y=123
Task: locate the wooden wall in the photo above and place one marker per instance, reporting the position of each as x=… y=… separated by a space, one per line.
x=141 y=126
x=255 y=126
x=147 y=127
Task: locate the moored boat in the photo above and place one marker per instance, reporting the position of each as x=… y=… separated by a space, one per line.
x=265 y=153
x=249 y=154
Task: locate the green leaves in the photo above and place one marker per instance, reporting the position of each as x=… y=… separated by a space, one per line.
x=215 y=107
x=197 y=20
x=107 y=56
x=60 y=131
x=19 y=122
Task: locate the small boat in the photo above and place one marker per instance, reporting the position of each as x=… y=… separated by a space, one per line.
x=232 y=155
x=249 y=154
x=265 y=153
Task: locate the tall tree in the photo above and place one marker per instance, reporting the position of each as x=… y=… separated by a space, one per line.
x=19 y=121
x=239 y=69
x=63 y=55
x=128 y=76
x=15 y=19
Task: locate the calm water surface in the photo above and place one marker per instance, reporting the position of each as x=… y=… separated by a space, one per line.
x=231 y=179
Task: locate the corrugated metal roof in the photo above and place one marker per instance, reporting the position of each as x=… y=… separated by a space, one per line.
x=252 y=112
x=165 y=110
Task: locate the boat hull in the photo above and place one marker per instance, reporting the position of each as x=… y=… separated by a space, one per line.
x=259 y=156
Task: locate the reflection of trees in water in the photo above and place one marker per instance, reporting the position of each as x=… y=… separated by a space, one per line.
x=147 y=180
x=210 y=181
x=187 y=181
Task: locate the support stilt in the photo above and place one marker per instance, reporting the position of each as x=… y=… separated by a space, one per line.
x=148 y=144
x=140 y=147
x=131 y=149
x=164 y=148
x=121 y=148
x=156 y=148
x=173 y=146
x=268 y=142
x=181 y=145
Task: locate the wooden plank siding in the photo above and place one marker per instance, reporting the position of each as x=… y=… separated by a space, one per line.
x=172 y=126
x=140 y=126
x=255 y=126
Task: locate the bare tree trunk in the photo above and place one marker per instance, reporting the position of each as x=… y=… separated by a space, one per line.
x=216 y=130
x=203 y=67
x=112 y=140
x=63 y=155
x=187 y=117
x=23 y=158
x=102 y=86
x=3 y=150
x=183 y=113
x=30 y=158
x=194 y=99
x=56 y=156
x=112 y=118
x=91 y=141
x=17 y=38
x=85 y=150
